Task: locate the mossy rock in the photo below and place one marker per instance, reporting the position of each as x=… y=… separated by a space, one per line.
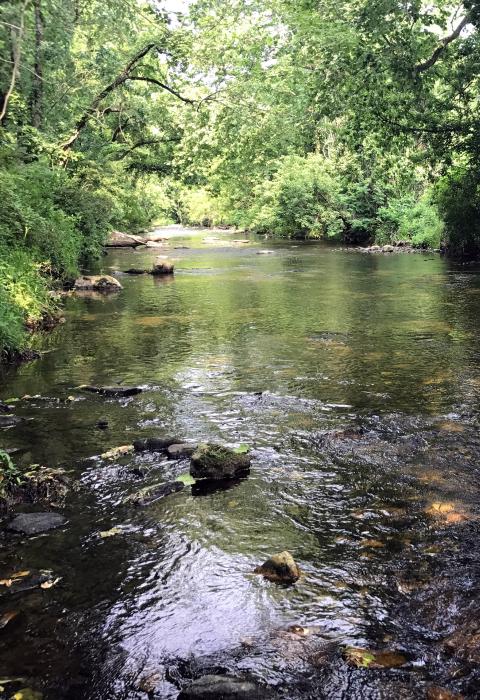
x=210 y=461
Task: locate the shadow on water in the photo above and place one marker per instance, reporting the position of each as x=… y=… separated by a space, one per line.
x=356 y=381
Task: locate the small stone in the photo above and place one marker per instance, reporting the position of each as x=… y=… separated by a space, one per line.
x=98 y=283
x=210 y=461
x=152 y=494
x=213 y=687
x=154 y=444
x=280 y=568
x=36 y=523
x=180 y=451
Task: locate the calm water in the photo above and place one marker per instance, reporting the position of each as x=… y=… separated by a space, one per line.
x=356 y=381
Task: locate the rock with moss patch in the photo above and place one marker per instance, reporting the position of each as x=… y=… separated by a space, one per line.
x=280 y=568
x=211 y=461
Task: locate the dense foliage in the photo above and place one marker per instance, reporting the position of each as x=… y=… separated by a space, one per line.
x=350 y=121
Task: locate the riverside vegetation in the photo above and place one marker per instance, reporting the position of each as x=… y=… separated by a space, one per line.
x=351 y=122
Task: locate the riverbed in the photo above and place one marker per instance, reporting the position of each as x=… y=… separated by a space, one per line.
x=355 y=381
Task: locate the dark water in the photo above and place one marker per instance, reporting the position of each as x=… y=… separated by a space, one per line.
x=356 y=381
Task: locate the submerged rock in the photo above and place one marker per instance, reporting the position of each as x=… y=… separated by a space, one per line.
x=112 y=390
x=9 y=420
x=154 y=444
x=366 y=658
x=211 y=461
x=135 y=271
x=280 y=568
x=179 y=451
x=154 y=493
x=162 y=266
x=214 y=687
x=98 y=283
x=36 y=523
x=437 y=693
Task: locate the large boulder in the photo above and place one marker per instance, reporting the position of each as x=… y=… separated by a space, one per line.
x=163 y=266
x=214 y=687
x=36 y=523
x=211 y=461
x=117 y=239
x=97 y=283
x=280 y=568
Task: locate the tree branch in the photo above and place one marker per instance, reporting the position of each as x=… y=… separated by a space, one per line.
x=163 y=86
x=149 y=142
x=16 y=50
x=425 y=65
x=119 y=80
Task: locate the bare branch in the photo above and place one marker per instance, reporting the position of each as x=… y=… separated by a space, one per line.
x=425 y=65
x=163 y=86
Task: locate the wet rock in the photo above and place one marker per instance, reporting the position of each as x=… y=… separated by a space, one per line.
x=102 y=424
x=155 y=493
x=112 y=390
x=117 y=452
x=97 y=283
x=280 y=568
x=437 y=693
x=366 y=658
x=180 y=451
x=4 y=408
x=117 y=239
x=211 y=461
x=8 y=421
x=36 y=523
x=162 y=266
x=224 y=688
x=135 y=271
x=154 y=444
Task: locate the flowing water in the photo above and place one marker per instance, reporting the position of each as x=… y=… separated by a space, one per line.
x=355 y=379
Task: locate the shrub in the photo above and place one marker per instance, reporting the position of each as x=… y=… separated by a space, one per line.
x=458 y=198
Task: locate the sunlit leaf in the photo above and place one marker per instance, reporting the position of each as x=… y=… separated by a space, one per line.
x=186 y=479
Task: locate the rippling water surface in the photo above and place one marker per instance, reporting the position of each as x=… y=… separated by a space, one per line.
x=356 y=381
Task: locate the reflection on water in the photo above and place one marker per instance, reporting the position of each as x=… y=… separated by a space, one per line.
x=356 y=381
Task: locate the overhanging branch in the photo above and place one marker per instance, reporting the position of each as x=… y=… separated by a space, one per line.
x=425 y=65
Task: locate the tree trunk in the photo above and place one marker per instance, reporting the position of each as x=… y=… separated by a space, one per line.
x=37 y=88
x=17 y=36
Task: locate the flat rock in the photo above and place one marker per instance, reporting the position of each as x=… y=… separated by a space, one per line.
x=179 y=451
x=117 y=239
x=280 y=568
x=213 y=687
x=97 y=283
x=211 y=461
x=36 y=523
x=154 y=444
x=112 y=390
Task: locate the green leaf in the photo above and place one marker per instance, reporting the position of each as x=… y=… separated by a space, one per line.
x=242 y=449
x=186 y=479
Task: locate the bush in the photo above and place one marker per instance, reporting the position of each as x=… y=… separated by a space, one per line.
x=406 y=219
x=458 y=198
x=301 y=200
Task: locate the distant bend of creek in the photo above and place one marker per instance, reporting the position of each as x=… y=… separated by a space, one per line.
x=355 y=380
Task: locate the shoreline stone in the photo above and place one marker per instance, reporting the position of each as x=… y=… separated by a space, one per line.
x=97 y=283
